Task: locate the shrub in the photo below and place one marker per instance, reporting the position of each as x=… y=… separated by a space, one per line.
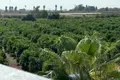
x=28 y=18
x=43 y=14
x=54 y=16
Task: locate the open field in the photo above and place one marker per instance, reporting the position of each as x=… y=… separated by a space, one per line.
x=12 y=14
x=78 y=14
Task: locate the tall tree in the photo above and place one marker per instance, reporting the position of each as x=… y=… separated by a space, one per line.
x=55 y=7
x=61 y=8
x=37 y=8
x=6 y=9
x=33 y=7
x=44 y=7
x=35 y=11
x=15 y=9
x=12 y=8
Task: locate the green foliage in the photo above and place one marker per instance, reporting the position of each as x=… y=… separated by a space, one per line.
x=54 y=16
x=41 y=73
x=88 y=62
x=65 y=44
x=39 y=14
x=86 y=8
x=2 y=57
x=43 y=14
x=29 y=60
x=34 y=60
x=89 y=45
x=45 y=44
x=60 y=74
x=28 y=18
x=47 y=41
x=115 y=75
x=48 y=58
x=2 y=54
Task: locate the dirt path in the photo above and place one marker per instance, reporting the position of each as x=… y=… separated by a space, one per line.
x=11 y=61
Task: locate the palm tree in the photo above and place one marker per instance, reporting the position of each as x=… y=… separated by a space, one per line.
x=37 y=9
x=60 y=8
x=15 y=9
x=12 y=8
x=6 y=8
x=90 y=61
x=33 y=7
x=44 y=7
x=55 y=7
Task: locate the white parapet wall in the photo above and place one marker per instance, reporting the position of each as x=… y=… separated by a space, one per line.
x=8 y=73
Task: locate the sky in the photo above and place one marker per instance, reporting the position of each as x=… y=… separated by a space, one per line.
x=50 y=4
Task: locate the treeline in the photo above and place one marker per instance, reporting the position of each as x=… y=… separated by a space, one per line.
x=44 y=13
x=88 y=8
x=84 y=8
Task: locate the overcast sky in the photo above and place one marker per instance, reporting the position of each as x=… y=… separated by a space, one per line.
x=67 y=4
